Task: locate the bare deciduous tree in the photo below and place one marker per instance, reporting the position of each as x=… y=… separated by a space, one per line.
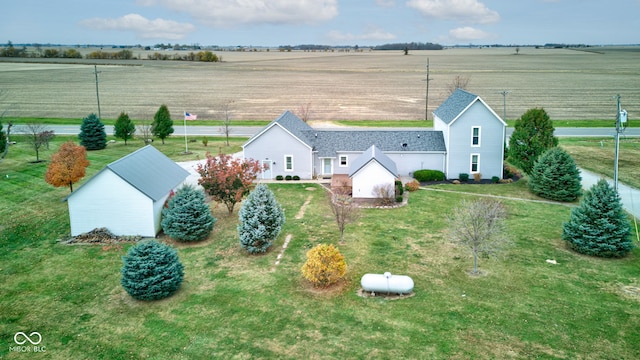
x=479 y=226
x=37 y=135
x=304 y=112
x=144 y=129
x=458 y=82
x=226 y=120
x=344 y=210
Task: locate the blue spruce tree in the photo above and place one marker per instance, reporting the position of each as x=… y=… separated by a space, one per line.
x=92 y=135
x=151 y=271
x=261 y=218
x=187 y=216
x=599 y=226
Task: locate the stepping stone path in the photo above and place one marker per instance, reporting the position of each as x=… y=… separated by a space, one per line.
x=298 y=216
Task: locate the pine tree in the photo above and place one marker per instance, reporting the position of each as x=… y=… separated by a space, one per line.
x=187 y=216
x=599 y=226
x=555 y=176
x=92 y=135
x=532 y=136
x=3 y=139
x=261 y=218
x=124 y=128
x=151 y=271
x=162 y=125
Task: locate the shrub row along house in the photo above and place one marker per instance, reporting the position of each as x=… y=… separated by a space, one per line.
x=468 y=138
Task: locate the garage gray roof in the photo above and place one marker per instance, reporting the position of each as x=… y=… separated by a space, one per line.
x=147 y=170
x=454 y=105
x=373 y=154
x=328 y=142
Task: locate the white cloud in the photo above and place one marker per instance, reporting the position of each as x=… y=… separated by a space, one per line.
x=143 y=27
x=469 y=34
x=230 y=13
x=371 y=33
x=464 y=11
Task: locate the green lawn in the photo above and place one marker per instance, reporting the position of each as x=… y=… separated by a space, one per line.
x=235 y=306
x=597 y=155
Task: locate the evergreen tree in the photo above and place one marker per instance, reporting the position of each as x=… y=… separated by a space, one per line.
x=92 y=135
x=261 y=218
x=3 y=139
x=532 y=136
x=555 y=176
x=162 y=125
x=124 y=128
x=599 y=226
x=187 y=216
x=151 y=271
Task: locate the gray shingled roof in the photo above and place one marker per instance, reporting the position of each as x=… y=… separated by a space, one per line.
x=373 y=154
x=292 y=123
x=147 y=170
x=454 y=105
x=328 y=142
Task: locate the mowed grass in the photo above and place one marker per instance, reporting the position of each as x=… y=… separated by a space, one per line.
x=232 y=305
x=597 y=155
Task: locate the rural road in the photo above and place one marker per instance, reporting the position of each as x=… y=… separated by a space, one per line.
x=198 y=130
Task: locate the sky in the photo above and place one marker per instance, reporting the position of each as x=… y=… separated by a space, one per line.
x=326 y=22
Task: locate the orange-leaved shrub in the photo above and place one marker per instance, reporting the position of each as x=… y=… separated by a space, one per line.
x=324 y=266
x=412 y=185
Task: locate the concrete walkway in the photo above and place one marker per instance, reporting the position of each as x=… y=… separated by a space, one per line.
x=630 y=196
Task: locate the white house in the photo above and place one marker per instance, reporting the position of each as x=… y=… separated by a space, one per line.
x=468 y=138
x=127 y=196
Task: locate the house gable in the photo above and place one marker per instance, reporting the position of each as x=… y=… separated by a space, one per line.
x=290 y=123
x=373 y=154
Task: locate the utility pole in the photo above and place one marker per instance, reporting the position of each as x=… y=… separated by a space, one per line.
x=426 y=104
x=96 y=72
x=504 y=103
x=621 y=123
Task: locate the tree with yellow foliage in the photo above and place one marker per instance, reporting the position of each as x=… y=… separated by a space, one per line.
x=325 y=265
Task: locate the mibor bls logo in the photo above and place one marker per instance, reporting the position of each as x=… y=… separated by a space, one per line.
x=27 y=343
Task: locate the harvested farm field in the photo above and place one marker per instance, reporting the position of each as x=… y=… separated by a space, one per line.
x=368 y=85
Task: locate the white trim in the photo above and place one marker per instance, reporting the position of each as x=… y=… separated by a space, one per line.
x=346 y=161
x=479 y=135
x=286 y=163
x=471 y=164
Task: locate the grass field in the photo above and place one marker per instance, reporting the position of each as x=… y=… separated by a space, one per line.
x=236 y=306
x=376 y=85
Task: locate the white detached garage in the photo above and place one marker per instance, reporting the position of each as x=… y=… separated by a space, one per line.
x=126 y=196
x=372 y=168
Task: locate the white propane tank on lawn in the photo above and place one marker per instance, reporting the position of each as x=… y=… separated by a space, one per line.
x=387 y=283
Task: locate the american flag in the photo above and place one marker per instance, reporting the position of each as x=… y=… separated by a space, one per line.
x=188 y=116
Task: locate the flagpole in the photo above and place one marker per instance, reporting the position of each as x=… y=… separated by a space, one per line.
x=186 y=147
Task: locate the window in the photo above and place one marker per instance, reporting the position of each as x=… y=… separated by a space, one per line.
x=475 y=136
x=288 y=163
x=475 y=163
x=344 y=160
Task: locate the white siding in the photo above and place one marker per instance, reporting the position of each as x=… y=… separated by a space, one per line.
x=108 y=201
x=409 y=162
x=368 y=177
x=273 y=144
x=491 y=147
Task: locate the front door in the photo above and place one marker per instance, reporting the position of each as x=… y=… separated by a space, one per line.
x=327 y=168
x=266 y=169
